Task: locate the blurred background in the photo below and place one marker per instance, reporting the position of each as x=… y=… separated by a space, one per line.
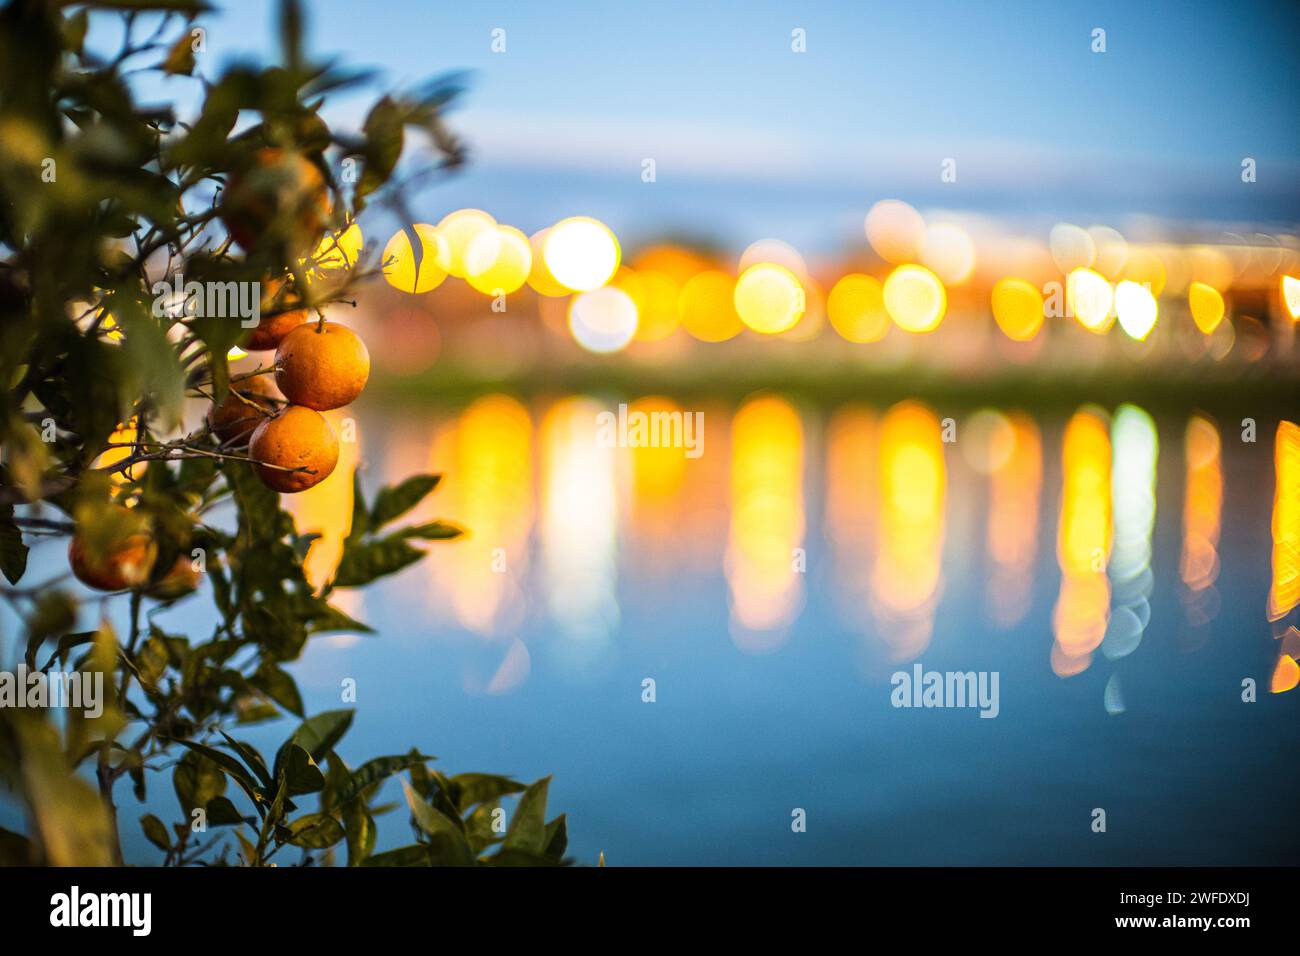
x=991 y=322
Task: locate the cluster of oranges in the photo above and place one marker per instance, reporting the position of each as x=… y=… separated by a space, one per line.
x=319 y=366
x=280 y=197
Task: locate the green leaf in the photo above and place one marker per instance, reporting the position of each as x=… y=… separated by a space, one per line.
x=377 y=769
x=251 y=758
x=472 y=788
x=433 y=531
x=230 y=765
x=318 y=735
x=315 y=831
x=13 y=553
x=359 y=827
x=67 y=813
x=278 y=686
x=156 y=832
x=445 y=834
x=222 y=813
x=180 y=59
x=365 y=562
x=300 y=772
x=360 y=513
x=527 y=830
x=557 y=837
x=197 y=781
x=392 y=503
x=415 y=855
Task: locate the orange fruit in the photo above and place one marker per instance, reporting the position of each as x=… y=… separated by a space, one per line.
x=279 y=196
x=234 y=419
x=322 y=366
x=271 y=329
x=179 y=581
x=126 y=564
x=297 y=438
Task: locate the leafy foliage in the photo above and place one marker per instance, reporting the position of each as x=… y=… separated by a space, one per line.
x=100 y=198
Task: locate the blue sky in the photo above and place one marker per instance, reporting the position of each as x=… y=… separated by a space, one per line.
x=752 y=139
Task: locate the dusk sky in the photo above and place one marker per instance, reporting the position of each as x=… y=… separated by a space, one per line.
x=750 y=138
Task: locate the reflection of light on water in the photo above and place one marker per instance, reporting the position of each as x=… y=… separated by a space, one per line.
x=1014 y=489
x=658 y=475
x=1083 y=543
x=1285 y=591
x=1133 y=493
x=489 y=488
x=1202 y=505
x=767 y=521
x=326 y=509
x=850 y=506
x=579 y=522
x=913 y=486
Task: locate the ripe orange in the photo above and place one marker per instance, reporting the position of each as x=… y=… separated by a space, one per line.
x=234 y=419
x=322 y=366
x=179 y=581
x=270 y=331
x=280 y=196
x=271 y=328
x=127 y=563
x=296 y=438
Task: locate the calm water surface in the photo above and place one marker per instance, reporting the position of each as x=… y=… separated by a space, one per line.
x=1118 y=573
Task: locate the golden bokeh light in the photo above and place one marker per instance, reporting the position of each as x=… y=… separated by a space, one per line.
x=457 y=230
x=498 y=261
x=1111 y=248
x=657 y=307
x=337 y=253
x=1136 y=309
x=949 y=252
x=896 y=231
x=603 y=320
x=1206 y=305
x=1198 y=564
x=769 y=298
x=915 y=298
x=1015 y=487
x=1090 y=299
x=1017 y=309
x=1291 y=295
x=1146 y=266
x=707 y=307
x=1284 y=594
x=767 y=521
x=774 y=250
x=540 y=279
x=856 y=308
x=408 y=271
x=325 y=510
x=490 y=489
x=912 y=485
x=1072 y=247
x=1083 y=543
x=581 y=253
